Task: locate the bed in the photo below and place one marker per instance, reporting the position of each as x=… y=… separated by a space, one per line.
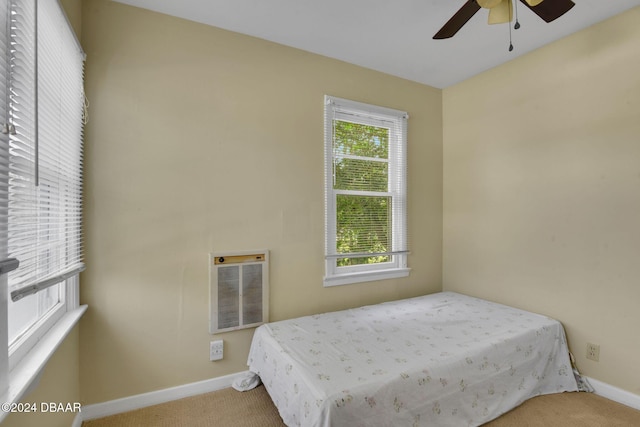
x=444 y=359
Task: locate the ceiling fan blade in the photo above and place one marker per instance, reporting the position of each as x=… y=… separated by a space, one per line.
x=550 y=10
x=458 y=20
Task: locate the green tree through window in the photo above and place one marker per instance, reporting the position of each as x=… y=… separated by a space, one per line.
x=361 y=165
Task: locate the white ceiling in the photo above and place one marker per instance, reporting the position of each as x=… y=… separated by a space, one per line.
x=392 y=36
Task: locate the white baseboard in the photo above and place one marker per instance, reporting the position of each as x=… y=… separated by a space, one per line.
x=112 y=407
x=614 y=393
x=99 y=410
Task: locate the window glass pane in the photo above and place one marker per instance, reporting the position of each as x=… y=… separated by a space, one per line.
x=25 y=312
x=354 y=174
x=360 y=140
x=363 y=225
x=366 y=141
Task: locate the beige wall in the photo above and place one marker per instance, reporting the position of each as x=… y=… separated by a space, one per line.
x=60 y=383
x=204 y=140
x=542 y=190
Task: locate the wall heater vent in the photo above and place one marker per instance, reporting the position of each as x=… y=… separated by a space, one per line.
x=239 y=290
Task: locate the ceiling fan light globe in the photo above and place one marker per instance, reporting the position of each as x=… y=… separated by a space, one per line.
x=533 y=2
x=502 y=13
x=488 y=4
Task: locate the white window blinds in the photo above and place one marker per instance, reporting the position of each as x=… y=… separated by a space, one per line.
x=365 y=194
x=44 y=156
x=4 y=122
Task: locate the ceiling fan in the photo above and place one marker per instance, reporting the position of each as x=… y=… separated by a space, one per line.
x=500 y=11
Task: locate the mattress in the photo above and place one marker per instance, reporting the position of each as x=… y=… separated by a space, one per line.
x=444 y=359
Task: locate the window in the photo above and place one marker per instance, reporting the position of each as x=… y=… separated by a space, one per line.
x=41 y=113
x=365 y=192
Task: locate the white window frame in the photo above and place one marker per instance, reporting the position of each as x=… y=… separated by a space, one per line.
x=68 y=301
x=27 y=357
x=395 y=120
x=22 y=362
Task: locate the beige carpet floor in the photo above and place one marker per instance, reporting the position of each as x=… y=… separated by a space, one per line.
x=229 y=408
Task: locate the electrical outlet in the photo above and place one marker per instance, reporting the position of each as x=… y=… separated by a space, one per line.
x=216 y=350
x=593 y=352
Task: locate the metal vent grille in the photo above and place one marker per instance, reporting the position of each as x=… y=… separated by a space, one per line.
x=239 y=290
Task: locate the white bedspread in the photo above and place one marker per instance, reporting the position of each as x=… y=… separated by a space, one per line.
x=439 y=360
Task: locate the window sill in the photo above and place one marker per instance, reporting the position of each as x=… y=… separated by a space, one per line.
x=367 y=276
x=27 y=372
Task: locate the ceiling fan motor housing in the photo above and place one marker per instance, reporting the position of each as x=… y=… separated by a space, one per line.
x=489 y=4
